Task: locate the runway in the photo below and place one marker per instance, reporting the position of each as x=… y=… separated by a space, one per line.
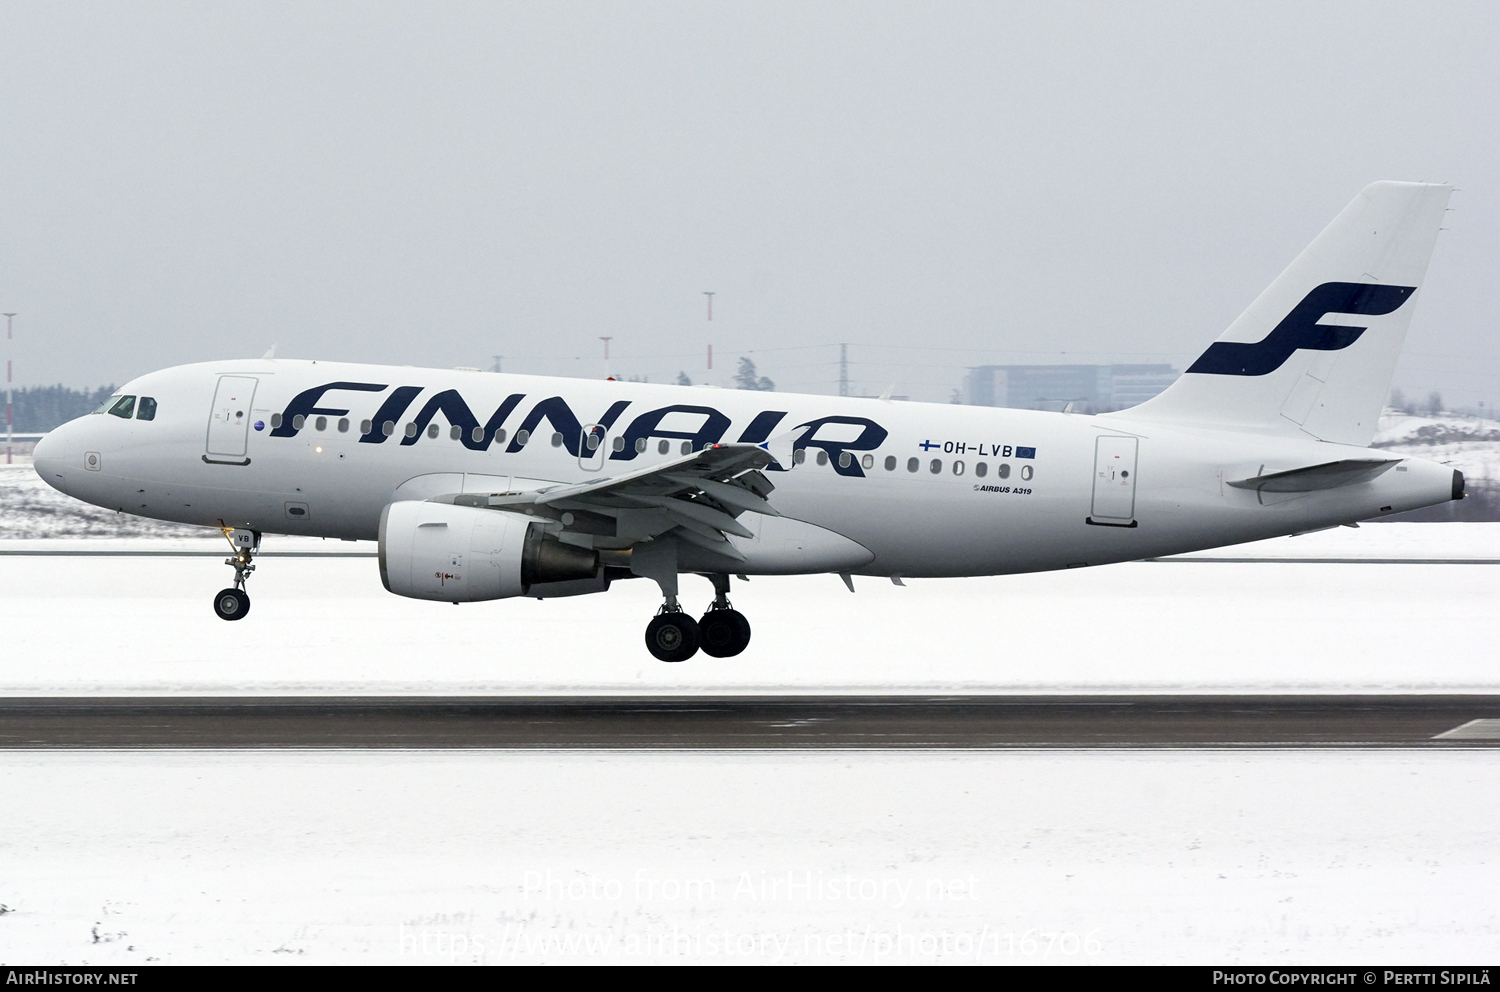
x=753 y=722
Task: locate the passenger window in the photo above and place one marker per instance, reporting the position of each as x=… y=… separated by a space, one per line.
x=1003 y=471
x=411 y=429
x=388 y=428
x=454 y=433
x=321 y=424
x=432 y=430
x=912 y=464
x=958 y=468
x=499 y=436
x=298 y=421
x=275 y=421
x=845 y=459
x=640 y=445
x=981 y=469
x=619 y=444
x=477 y=435
x=687 y=447
x=822 y=457
x=343 y=425
x=522 y=437
x=147 y=409
x=364 y=426
x=124 y=407
x=936 y=466
x=557 y=439
x=868 y=461
x=800 y=456
x=1026 y=472
x=890 y=463
x=661 y=449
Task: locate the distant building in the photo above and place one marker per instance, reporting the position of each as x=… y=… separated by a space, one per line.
x=1090 y=388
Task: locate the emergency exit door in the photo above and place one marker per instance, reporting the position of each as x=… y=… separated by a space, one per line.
x=229 y=420
x=593 y=447
x=1114 y=481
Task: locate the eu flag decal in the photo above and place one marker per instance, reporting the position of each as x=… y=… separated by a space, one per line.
x=1025 y=452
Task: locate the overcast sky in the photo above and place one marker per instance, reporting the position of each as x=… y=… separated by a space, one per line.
x=938 y=184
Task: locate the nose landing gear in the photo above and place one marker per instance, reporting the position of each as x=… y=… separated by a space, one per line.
x=233 y=603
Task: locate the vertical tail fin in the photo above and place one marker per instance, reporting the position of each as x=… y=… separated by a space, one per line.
x=1315 y=353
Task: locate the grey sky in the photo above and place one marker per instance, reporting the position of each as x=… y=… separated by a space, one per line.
x=940 y=184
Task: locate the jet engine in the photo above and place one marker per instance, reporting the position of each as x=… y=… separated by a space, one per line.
x=465 y=554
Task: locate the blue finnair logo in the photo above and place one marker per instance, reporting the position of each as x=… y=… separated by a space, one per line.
x=1300 y=329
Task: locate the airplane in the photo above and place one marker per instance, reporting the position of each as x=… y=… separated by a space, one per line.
x=484 y=486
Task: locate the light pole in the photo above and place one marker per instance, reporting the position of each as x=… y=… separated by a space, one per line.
x=9 y=394
x=710 y=319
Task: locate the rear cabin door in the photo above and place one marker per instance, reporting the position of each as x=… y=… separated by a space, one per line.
x=229 y=421
x=1114 y=481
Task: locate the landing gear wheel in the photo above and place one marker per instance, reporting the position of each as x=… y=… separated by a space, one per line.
x=672 y=637
x=231 y=604
x=725 y=633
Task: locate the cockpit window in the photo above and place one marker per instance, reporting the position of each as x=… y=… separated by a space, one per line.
x=147 y=409
x=122 y=408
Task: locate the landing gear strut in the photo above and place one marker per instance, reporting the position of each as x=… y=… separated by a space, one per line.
x=673 y=635
x=724 y=630
x=233 y=603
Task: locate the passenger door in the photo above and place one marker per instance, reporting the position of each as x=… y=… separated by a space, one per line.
x=229 y=420
x=1114 y=481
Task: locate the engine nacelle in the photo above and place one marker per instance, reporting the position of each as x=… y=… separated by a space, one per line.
x=465 y=554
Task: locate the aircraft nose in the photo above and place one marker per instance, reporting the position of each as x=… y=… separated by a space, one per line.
x=47 y=459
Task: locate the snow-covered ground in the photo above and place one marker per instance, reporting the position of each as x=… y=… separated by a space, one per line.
x=325 y=625
x=29 y=508
x=1016 y=857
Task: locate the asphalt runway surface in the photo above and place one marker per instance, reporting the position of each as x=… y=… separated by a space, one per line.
x=752 y=722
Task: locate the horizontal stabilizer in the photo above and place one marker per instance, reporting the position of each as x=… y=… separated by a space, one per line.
x=1330 y=475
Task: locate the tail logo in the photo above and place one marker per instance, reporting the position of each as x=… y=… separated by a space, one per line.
x=1300 y=329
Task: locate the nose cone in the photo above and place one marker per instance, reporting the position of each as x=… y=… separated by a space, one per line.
x=48 y=457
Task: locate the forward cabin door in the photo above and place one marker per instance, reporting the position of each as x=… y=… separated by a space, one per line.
x=229 y=420
x=1114 y=481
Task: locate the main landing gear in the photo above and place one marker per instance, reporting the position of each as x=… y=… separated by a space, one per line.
x=723 y=632
x=233 y=603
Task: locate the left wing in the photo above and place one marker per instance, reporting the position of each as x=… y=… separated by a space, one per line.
x=697 y=495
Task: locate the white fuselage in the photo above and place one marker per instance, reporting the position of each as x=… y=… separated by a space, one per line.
x=215 y=459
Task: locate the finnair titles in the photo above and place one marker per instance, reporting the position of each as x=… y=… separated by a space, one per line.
x=485 y=486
